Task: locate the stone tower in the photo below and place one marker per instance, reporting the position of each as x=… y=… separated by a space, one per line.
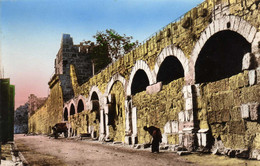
x=71 y=54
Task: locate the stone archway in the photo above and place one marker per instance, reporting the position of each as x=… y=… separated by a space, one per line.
x=231 y=23
x=93 y=117
x=140 y=65
x=72 y=108
x=177 y=58
x=116 y=113
x=65 y=114
x=81 y=104
x=221 y=56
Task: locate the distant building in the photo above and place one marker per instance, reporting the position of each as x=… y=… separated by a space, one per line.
x=7 y=93
x=35 y=103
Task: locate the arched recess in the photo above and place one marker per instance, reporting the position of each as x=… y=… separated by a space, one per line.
x=140 y=82
x=65 y=114
x=72 y=109
x=116 y=77
x=226 y=23
x=221 y=56
x=116 y=114
x=81 y=104
x=94 y=96
x=171 y=64
x=170 y=69
x=93 y=117
x=97 y=91
x=142 y=67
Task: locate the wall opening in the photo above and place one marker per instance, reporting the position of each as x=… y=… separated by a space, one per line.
x=140 y=82
x=94 y=96
x=80 y=106
x=72 y=109
x=65 y=115
x=171 y=69
x=221 y=57
x=95 y=106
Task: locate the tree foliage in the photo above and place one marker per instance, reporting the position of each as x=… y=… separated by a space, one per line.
x=115 y=44
x=109 y=46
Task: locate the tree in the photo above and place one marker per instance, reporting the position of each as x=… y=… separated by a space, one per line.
x=115 y=44
x=109 y=46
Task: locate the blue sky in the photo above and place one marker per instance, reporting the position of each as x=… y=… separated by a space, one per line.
x=31 y=31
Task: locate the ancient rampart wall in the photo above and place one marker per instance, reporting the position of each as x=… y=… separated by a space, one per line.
x=191 y=110
x=50 y=113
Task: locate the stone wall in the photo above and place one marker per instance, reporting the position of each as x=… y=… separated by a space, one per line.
x=161 y=110
x=230 y=109
x=189 y=114
x=34 y=103
x=50 y=113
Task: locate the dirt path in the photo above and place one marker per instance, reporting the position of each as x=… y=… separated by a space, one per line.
x=40 y=150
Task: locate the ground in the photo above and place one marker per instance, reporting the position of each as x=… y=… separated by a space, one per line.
x=42 y=150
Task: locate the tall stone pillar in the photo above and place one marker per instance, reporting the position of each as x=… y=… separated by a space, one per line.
x=106 y=126
x=128 y=121
x=134 y=125
x=186 y=120
x=102 y=125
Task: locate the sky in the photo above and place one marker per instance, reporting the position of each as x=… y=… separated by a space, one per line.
x=31 y=30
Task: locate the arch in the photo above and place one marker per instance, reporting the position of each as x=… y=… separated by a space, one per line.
x=65 y=114
x=94 y=96
x=72 y=108
x=140 y=82
x=221 y=56
x=81 y=104
x=171 y=50
x=140 y=65
x=116 y=77
x=170 y=69
x=96 y=90
x=232 y=23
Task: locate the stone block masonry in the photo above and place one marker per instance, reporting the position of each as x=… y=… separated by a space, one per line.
x=197 y=79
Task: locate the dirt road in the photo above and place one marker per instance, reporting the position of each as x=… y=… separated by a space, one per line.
x=40 y=150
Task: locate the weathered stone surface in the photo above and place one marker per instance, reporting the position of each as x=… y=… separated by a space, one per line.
x=154 y=88
x=247 y=60
x=254 y=111
x=245 y=111
x=181 y=153
x=258 y=75
x=35 y=103
x=218 y=104
x=252 y=77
